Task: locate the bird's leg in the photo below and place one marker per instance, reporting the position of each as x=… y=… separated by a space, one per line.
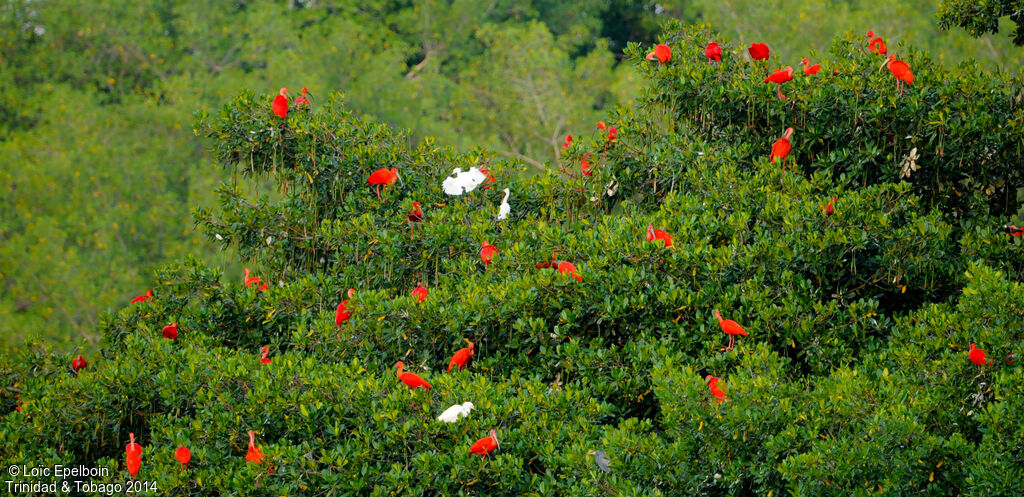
x=378 y=192
x=781 y=96
x=900 y=86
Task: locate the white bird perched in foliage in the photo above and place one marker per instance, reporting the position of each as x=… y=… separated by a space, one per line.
x=463 y=182
x=451 y=414
x=505 y=208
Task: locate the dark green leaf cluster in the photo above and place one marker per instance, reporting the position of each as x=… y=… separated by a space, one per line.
x=979 y=18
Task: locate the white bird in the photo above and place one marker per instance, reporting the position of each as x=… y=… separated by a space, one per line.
x=505 y=208
x=463 y=182
x=451 y=414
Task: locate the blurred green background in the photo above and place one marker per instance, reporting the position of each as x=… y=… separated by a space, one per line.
x=100 y=168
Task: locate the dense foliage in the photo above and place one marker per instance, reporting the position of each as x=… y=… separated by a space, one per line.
x=854 y=379
x=979 y=18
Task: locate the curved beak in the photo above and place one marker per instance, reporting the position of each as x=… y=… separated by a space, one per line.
x=400 y=180
x=884 y=62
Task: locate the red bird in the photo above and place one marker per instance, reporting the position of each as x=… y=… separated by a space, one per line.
x=900 y=70
x=263 y=357
x=78 y=363
x=485 y=445
x=977 y=356
x=420 y=292
x=415 y=217
x=569 y=268
x=251 y=281
x=661 y=52
x=780 y=76
x=810 y=70
x=411 y=379
x=143 y=298
x=731 y=328
x=716 y=391
x=461 y=357
x=781 y=147
x=183 y=455
x=343 y=313
x=830 y=208
x=1013 y=230
x=171 y=331
x=585 y=165
x=303 y=100
x=487 y=253
x=653 y=234
x=758 y=51
x=568 y=141
x=133 y=456
x=713 y=52
x=255 y=455
x=280 y=105
x=383 y=177
x=876 y=44
x=553 y=264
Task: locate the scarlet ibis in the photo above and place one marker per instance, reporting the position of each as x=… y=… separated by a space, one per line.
x=453 y=413
x=143 y=298
x=568 y=141
x=977 y=356
x=343 y=313
x=280 y=105
x=383 y=177
x=461 y=357
x=265 y=352
x=487 y=253
x=420 y=292
x=78 y=363
x=713 y=52
x=781 y=147
x=612 y=133
x=830 y=208
x=485 y=445
x=585 y=165
x=569 y=268
x=303 y=100
x=731 y=328
x=1013 y=230
x=780 y=76
x=900 y=70
x=653 y=234
x=716 y=391
x=133 y=456
x=601 y=459
x=462 y=182
x=183 y=455
x=415 y=217
x=171 y=331
x=487 y=174
x=255 y=455
x=251 y=281
x=411 y=379
x=758 y=51
x=810 y=70
x=661 y=52
x=876 y=44
x=504 y=209
x=553 y=264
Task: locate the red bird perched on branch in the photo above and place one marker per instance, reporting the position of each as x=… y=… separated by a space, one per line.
x=487 y=253
x=661 y=52
x=78 y=364
x=383 y=177
x=585 y=165
x=250 y=281
x=653 y=234
x=810 y=70
x=461 y=357
x=415 y=217
x=731 y=328
x=900 y=70
x=781 y=147
x=420 y=292
x=254 y=455
x=133 y=456
x=485 y=445
x=568 y=141
x=303 y=100
x=263 y=356
x=143 y=298
x=183 y=455
x=343 y=313
x=569 y=268
x=716 y=391
x=280 y=104
x=829 y=209
x=612 y=132
x=758 y=51
x=977 y=356
x=411 y=379
x=1013 y=230
x=780 y=76
x=171 y=331
x=713 y=52
x=876 y=44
